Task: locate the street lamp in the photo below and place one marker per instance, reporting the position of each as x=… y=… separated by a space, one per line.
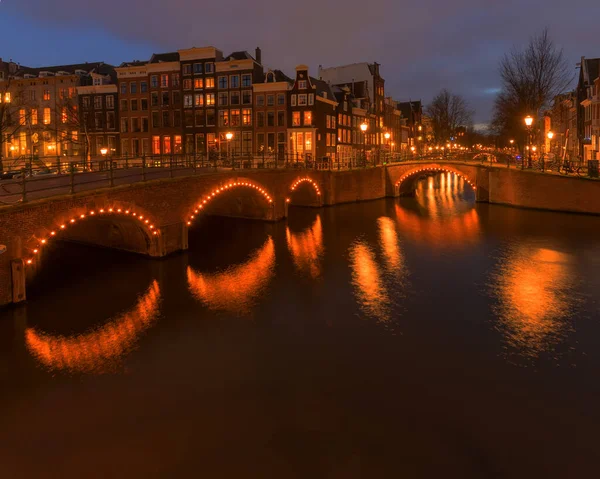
x=528 y=124
x=364 y=127
x=228 y=136
x=387 y=137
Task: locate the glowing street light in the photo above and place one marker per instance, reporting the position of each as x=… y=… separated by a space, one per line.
x=528 y=124
x=364 y=127
x=103 y=151
x=550 y=135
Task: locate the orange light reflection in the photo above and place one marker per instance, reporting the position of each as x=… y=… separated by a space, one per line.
x=306 y=248
x=98 y=351
x=235 y=289
x=535 y=298
x=368 y=282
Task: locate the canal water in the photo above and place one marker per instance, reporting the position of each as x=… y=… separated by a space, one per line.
x=421 y=337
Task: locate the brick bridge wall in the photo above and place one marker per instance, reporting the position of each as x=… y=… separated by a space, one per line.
x=166 y=206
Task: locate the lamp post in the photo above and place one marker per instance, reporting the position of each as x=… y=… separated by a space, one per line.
x=528 y=124
x=387 y=141
x=364 y=127
x=229 y=136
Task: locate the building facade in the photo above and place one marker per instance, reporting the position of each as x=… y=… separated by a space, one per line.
x=271 y=114
x=588 y=72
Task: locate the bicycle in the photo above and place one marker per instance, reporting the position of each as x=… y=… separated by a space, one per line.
x=569 y=166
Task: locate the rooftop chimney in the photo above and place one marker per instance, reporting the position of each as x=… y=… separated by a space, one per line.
x=258 y=56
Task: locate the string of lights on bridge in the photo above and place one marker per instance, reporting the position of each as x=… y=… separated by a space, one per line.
x=428 y=170
x=217 y=191
x=306 y=179
x=90 y=214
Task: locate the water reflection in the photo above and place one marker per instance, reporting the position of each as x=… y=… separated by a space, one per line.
x=99 y=351
x=390 y=244
x=535 y=298
x=368 y=283
x=306 y=248
x=236 y=289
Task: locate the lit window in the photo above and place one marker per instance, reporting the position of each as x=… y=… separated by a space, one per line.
x=34 y=116
x=21 y=117
x=209 y=82
x=296 y=118
x=235 y=117
x=223 y=118
x=164 y=81
x=64 y=115
x=307 y=118
x=247 y=117
x=198 y=83
x=7 y=97
x=47 y=116
x=302 y=100
x=210 y=99
x=187 y=84
x=46 y=95
x=199 y=100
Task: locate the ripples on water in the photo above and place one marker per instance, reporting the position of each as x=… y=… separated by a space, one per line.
x=536 y=298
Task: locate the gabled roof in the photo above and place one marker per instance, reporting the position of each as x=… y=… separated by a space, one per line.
x=323 y=87
x=592 y=68
x=97 y=67
x=239 y=56
x=279 y=76
x=164 y=57
x=408 y=108
x=135 y=63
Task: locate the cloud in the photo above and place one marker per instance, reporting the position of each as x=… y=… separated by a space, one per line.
x=423 y=46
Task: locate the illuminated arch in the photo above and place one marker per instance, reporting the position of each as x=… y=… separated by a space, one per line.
x=96 y=351
x=235 y=289
x=434 y=169
x=205 y=201
x=146 y=223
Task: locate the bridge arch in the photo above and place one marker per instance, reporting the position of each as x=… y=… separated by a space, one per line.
x=201 y=206
x=486 y=157
x=304 y=198
x=406 y=184
x=116 y=214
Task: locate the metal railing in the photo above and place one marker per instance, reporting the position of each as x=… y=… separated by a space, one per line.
x=53 y=176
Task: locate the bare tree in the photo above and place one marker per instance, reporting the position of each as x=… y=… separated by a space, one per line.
x=531 y=78
x=448 y=113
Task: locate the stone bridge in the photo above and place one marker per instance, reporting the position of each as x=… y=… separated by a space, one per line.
x=153 y=218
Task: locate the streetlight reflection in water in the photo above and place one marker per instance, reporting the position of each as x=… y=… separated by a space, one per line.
x=307 y=249
x=535 y=299
x=101 y=350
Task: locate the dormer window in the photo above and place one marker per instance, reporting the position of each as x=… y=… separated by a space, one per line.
x=270 y=77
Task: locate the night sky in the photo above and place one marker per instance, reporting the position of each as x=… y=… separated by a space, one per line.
x=423 y=45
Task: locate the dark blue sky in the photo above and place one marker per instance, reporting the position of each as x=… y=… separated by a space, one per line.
x=423 y=46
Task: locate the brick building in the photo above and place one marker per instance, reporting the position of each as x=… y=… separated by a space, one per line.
x=271 y=114
x=312 y=117
x=99 y=120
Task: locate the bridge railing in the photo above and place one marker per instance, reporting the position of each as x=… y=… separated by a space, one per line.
x=42 y=177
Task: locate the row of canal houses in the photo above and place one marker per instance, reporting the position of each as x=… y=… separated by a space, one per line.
x=199 y=102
